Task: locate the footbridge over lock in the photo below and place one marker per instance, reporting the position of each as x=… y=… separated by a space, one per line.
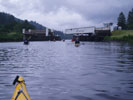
x=38 y=35
x=89 y=33
x=83 y=31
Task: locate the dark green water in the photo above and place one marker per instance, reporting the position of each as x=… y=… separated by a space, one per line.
x=61 y=71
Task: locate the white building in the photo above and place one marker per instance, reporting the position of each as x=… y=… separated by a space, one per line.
x=81 y=31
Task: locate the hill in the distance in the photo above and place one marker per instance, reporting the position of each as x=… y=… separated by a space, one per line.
x=9 y=24
x=37 y=25
x=6 y=19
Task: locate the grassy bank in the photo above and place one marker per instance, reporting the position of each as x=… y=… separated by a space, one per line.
x=121 y=35
x=7 y=37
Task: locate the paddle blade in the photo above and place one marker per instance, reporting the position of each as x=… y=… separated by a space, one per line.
x=16 y=80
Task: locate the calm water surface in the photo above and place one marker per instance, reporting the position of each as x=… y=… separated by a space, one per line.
x=61 y=71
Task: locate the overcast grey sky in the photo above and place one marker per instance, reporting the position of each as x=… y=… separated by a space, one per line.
x=62 y=14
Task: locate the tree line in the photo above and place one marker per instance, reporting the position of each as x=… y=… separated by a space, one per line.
x=11 y=27
x=8 y=24
x=126 y=24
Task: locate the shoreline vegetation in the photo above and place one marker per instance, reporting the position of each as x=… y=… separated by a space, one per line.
x=11 y=37
x=121 y=36
x=11 y=28
x=118 y=36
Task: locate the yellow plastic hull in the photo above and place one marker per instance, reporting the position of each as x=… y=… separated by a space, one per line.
x=20 y=92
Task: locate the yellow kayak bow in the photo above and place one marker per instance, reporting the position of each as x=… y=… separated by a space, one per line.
x=20 y=92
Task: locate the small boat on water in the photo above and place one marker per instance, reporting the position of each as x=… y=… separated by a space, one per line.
x=77 y=42
x=20 y=92
x=26 y=42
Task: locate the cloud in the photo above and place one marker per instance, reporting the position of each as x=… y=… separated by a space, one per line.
x=61 y=14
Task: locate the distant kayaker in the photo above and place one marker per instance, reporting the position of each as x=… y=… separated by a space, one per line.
x=77 y=41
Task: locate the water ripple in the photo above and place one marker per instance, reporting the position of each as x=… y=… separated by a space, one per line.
x=60 y=71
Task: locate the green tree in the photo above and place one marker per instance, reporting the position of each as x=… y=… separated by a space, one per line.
x=27 y=25
x=130 y=20
x=122 y=20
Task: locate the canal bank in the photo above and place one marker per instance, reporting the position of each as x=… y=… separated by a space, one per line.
x=121 y=36
x=11 y=37
x=36 y=36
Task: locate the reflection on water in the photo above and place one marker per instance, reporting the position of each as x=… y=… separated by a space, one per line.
x=61 y=71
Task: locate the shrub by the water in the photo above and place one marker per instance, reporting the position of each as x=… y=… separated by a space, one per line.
x=5 y=37
x=123 y=35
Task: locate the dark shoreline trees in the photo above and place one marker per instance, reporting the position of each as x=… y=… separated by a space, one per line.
x=130 y=20
x=125 y=23
x=11 y=27
x=122 y=21
x=8 y=24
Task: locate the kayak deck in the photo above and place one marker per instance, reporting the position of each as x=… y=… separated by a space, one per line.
x=20 y=92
